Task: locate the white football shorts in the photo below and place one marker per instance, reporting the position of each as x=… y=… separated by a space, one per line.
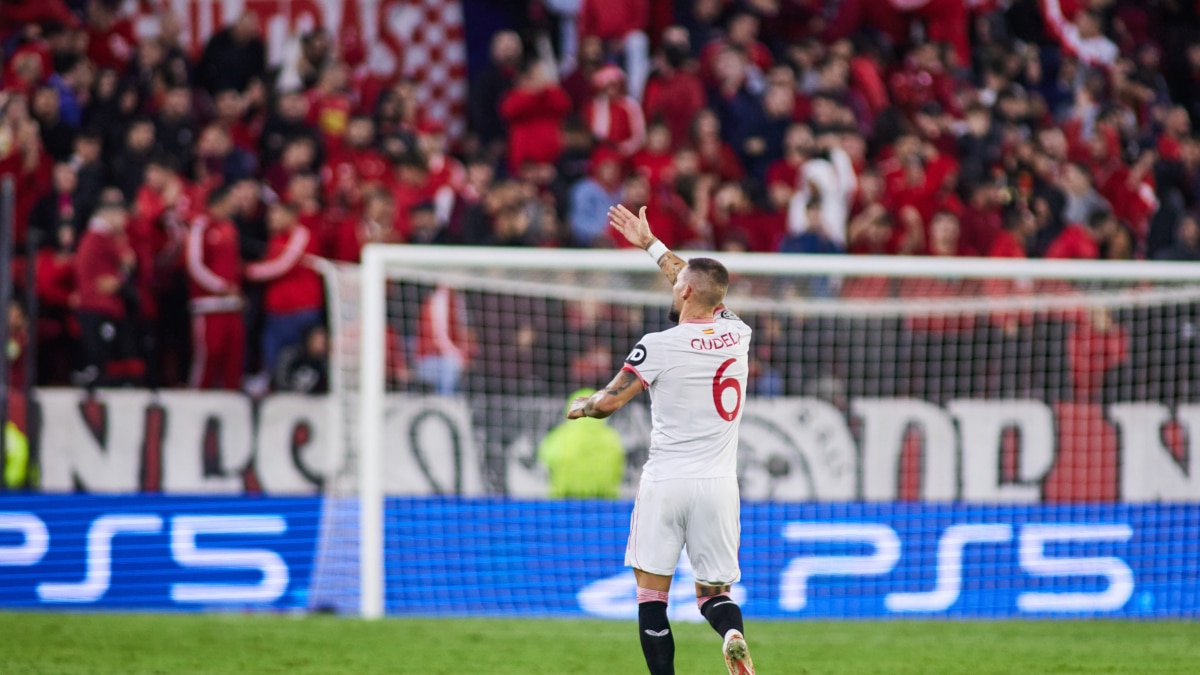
x=700 y=513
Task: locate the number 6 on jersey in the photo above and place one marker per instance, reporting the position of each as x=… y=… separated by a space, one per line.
x=720 y=386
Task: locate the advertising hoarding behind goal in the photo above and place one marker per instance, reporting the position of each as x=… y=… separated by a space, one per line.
x=498 y=557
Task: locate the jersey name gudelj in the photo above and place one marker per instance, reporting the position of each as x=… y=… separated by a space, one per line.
x=696 y=375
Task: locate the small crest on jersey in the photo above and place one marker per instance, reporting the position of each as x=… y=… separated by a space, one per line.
x=637 y=356
x=708 y=331
x=729 y=316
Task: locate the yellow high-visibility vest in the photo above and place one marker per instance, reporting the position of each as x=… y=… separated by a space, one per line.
x=585 y=457
x=16 y=457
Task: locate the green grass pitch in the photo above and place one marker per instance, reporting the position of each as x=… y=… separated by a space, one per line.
x=224 y=644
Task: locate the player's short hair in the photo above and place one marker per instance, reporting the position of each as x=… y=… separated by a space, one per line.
x=709 y=279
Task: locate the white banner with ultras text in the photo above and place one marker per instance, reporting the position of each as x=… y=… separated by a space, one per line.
x=792 y=449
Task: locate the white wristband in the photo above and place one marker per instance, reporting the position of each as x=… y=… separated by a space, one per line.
x=657 y=250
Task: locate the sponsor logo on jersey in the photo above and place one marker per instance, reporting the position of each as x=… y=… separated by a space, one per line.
x=638 y=356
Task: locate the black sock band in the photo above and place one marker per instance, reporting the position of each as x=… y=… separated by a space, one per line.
x=658 y=644
x=723 y=614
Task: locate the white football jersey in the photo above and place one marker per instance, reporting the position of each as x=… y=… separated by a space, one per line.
x=696 y=375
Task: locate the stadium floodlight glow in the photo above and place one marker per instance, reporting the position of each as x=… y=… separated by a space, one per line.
x=938 y=339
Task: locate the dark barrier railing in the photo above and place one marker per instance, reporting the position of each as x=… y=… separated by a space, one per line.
x=7 y=223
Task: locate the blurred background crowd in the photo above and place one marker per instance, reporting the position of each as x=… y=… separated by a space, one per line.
x=175 y=203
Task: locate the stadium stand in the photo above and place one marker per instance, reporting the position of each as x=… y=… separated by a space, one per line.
x=149 y=170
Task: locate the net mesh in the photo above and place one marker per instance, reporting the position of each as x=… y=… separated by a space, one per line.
x=863 y=388
x=335 y=581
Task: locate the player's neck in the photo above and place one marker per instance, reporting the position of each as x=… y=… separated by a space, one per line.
x=693 y=314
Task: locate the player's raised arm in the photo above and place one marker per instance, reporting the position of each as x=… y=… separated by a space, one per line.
x=636 y=230
x=608 y=400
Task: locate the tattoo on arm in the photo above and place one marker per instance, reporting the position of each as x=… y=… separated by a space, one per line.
x=618 y=388
x=671 y=264
x=623 y=381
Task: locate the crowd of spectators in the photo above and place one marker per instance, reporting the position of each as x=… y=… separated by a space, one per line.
x=178 y=200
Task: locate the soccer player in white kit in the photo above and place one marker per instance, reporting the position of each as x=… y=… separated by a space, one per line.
x=696 y=374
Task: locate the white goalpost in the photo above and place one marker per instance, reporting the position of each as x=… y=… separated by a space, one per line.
x=839 y=329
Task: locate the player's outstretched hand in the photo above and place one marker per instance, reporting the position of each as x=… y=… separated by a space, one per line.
x=576 y=409
x=635 y=229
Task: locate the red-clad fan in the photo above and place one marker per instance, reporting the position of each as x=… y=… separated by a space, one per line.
x=304 y=196
x=797 y=143
x=866 y=76
x=374 y=225
x=214 y=267
x=534 y=110
x=578 y=82
x=945 y=240
x=27 y=69
x=230 y=109
x=447 y=176
x=736 y=219
x=103 y=267
x=1020 y=227
x=163 y=207
x=923 y=79
x=612 y=20
x=444 y=341
x=111 y=37
x=716 y=156
x=57 y=296
x=871 y=231
x=343 y=200
x=1096 y=345
x=357 y=159
x=23 y=157
x=19 y=14
x=165 y=193
x=945 y=21
x=1177 y=128
x=655 y=161
x=141 y=234
x=17 y=353
x=981 y=220
x=674 y=93
x=663 y=207
x=299 y=156
x=1130 y=190
x=945 y=236
x=909 y=187
x=409 y=186
x=294 y=295
x=614 y=118
x=330 y=105
x=1076 y=242
x=743 y=36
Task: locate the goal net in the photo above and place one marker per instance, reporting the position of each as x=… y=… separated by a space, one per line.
x=872 y=380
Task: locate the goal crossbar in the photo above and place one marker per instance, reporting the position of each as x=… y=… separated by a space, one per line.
x=627 y=260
